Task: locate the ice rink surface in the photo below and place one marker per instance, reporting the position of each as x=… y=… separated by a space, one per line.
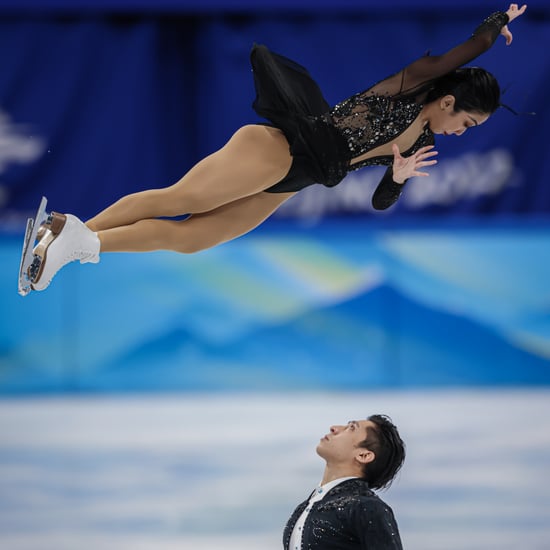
x=221 y=471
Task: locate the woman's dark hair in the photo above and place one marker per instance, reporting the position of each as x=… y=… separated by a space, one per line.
x=475 y=90
x=385 y=442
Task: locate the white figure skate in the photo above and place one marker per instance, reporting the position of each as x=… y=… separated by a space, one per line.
x=63 y=238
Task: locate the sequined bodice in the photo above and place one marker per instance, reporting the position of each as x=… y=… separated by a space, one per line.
x=380 y=114
x=368 y=120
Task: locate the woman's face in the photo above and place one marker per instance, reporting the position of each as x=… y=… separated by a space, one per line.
x=443 y=119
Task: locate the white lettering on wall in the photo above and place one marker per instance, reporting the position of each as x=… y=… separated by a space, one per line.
x=16 y=145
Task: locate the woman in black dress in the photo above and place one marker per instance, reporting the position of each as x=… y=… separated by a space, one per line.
x=235 y=189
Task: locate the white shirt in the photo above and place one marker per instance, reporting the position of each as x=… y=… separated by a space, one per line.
x=317 y=495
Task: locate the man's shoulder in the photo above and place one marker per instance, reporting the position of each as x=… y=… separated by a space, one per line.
x=356 y=492
x=356 y=505
x=356 y=486
x=352 y=489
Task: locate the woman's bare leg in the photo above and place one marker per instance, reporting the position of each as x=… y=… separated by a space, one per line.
x=199 y=232
x=255 y=158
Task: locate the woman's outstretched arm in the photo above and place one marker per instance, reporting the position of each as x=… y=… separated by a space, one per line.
x=430 y=67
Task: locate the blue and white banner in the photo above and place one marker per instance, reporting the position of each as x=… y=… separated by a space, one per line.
x=338 y=307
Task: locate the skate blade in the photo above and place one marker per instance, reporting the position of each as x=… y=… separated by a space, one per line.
x=27 y=256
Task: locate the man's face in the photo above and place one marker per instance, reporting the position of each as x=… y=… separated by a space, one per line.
x=341 y=444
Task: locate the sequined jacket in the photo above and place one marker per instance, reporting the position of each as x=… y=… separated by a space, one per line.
x=381 y=113
x=350 y=517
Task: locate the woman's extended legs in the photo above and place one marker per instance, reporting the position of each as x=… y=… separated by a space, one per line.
x=224 y=194
x=198 y=232
x=255 y=158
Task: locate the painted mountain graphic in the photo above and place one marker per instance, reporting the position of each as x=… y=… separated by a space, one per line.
x=378 y=339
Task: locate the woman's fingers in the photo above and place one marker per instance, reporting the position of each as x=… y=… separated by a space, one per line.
x=427 y=155
x=505 y=31
x=407 y=167
x=424 y=158
x=425 y=163
x=514 y=11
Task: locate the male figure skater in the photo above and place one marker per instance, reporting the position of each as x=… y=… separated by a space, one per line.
x=344 y=512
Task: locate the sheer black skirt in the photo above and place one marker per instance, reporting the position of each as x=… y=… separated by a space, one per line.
x=291 y=100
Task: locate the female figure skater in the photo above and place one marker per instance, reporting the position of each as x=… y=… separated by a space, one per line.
x=236 y=188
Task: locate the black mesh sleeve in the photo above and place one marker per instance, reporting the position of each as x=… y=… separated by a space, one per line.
x=387 y=192
x=430 y=67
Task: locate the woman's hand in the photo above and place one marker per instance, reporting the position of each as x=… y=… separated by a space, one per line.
x=512 y=13
x=407 y=167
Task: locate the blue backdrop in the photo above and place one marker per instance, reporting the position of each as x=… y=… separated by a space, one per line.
x=96 y=106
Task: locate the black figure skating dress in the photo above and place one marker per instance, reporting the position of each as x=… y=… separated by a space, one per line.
x=324 y=141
